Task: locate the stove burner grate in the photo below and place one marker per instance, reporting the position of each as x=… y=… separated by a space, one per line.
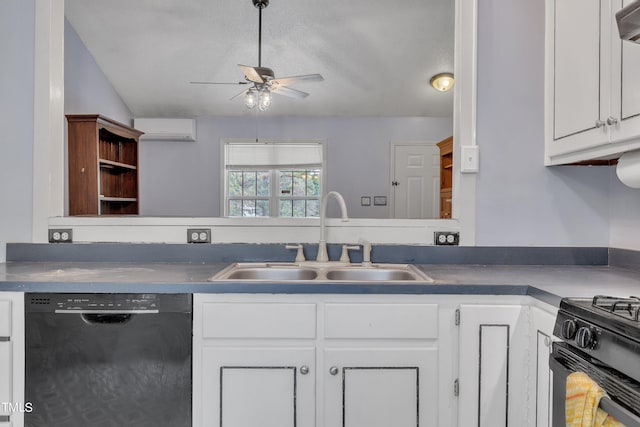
x=628 y=308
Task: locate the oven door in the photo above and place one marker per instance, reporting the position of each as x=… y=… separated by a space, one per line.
x=624 y=393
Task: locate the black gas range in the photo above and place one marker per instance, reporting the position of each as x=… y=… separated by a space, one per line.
x=601 y=337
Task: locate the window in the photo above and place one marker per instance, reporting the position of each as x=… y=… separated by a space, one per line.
x=273 y=179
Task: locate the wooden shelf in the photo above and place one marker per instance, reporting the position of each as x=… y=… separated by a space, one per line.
x=446 y=176
x=118 y=199
x=103 y=160
x=110 y=163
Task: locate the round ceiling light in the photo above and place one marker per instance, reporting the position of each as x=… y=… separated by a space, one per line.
x=442 y=82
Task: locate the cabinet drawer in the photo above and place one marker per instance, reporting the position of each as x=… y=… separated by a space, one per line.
x=381 y=321
x=259 y=320
x=5 y=319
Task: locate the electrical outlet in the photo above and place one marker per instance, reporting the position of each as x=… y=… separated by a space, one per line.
x=60 y=235
x=198 y=235
x=450 y=238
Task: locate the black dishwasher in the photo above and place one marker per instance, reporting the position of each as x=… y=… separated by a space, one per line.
x=108 y=360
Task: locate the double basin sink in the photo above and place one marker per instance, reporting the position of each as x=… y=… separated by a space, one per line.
x=311 y=271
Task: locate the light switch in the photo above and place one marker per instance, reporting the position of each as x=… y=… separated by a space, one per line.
x=469 y=159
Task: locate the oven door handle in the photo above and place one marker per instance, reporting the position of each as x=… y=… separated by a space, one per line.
x=619 y=413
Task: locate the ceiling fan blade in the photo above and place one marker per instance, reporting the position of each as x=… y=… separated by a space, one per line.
x=287 y=91
x=285 y=81
x=251 y=74
x=218 y=83
x=237 y=95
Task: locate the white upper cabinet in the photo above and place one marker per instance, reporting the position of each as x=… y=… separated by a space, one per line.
x=592 y=93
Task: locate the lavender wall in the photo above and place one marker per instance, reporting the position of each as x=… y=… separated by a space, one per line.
x=519 y=201
x=625 y=215
x=183 y=178
x=86 y=88
x=16 y=121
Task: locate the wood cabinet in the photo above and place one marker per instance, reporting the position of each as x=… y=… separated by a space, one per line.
x=592 y=93
x=103 y=166
x=446 y=176
x=12 y=359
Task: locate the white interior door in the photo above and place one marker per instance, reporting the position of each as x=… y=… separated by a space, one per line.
x=416 y=181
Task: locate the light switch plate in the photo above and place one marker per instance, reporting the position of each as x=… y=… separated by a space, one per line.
x=469 y=158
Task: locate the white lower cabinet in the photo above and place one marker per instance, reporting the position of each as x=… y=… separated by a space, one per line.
x=379 y=387
x=493 y=365
x=11 y=359
x=258 y=386
x=504 y=372
x=542 y=321
x=304 y=361
x=371 y=361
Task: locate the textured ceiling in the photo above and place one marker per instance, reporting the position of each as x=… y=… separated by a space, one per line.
x=376 y=56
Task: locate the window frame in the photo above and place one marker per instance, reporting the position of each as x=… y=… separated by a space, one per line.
x=274 y=196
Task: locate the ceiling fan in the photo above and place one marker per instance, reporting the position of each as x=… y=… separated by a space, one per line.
x=262 y=79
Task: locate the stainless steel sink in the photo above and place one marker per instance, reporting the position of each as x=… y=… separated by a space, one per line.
x=370 y=274
x=327 y=272
x=271 y=273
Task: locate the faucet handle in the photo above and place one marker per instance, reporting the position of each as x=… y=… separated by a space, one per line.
x=345 y=252
x=300 y=254
x=366 y=251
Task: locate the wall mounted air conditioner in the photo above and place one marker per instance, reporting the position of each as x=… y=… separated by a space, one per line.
x=166 y=129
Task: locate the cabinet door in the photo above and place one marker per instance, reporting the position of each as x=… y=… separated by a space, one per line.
x=6 y=375
x=542 y=323
x=258 y=386
x=625 y=104
x=493 y=365
x=373 y=387
x=5 y=356
x=578 y=75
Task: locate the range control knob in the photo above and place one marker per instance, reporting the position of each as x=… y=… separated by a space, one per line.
x=569 y=328
x=584 y=337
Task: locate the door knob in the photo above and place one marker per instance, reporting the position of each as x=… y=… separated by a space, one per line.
x=304 y=370
x=334 y=370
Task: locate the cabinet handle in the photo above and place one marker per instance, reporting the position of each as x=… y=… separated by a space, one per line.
x=600 y=123
x=334 y=370
x=547 y=341
x=611 y=120
x=304 y=370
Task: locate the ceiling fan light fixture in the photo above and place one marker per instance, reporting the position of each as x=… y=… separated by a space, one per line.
x=250 y=99
x=442 y=82
x=265 y=100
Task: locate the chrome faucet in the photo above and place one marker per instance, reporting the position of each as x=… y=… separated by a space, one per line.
x=322 y=245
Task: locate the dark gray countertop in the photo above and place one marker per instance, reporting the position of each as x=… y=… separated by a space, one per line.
x=547 y=283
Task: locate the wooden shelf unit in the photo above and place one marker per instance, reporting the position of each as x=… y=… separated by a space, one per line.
x=446 y=176
x=103 y=166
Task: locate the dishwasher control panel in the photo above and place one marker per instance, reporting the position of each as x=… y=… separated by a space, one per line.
x=86 y=302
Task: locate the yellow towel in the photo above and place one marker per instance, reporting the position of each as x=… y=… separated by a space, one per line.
x=581 y=404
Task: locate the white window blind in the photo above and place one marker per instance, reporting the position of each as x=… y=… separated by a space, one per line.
x=269 y=154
